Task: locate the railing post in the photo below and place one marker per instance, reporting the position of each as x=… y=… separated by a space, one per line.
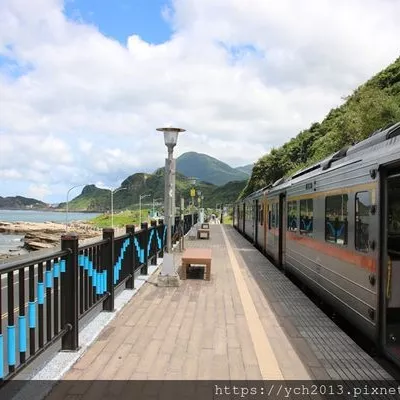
x=154 y=244
x=130 y=283
x=108 y=264
x=69 y=293
x=145 y=236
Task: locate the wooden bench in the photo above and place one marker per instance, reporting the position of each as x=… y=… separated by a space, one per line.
x=205 y=226
x=197 y=257
x=203 y=233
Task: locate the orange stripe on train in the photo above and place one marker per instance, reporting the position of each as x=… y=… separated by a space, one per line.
x=342 y=254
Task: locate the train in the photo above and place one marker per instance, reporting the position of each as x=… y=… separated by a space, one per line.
x=335 y=227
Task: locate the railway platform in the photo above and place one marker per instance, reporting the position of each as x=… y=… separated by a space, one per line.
x=249 y=322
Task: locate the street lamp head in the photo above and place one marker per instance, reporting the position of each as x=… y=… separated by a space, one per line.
x=170 y=135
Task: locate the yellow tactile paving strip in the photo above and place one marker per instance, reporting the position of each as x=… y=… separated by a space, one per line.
x=266 y=358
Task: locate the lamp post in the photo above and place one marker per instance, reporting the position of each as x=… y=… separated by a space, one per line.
x=142 y=196
x=170 y=140
x=192 y=195
x=112 y=204
x=154 y=200
x=66 y=214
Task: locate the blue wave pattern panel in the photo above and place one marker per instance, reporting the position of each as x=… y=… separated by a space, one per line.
x=159 y=241
x=99 y=279
x=149 y=242
x=118 y=264
x=139 y=250
x=10 y=341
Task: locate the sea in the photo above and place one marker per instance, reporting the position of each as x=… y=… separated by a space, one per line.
x=10 y=243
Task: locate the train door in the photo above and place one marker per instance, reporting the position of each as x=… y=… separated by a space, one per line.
x=390 y=284
x=282 y=230
x=266 y=222
x=255 y=219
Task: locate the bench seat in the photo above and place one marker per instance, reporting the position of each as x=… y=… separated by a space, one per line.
x=197 y=257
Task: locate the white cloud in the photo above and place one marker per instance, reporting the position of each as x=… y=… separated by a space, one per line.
x=38 y=191
x=76 y=106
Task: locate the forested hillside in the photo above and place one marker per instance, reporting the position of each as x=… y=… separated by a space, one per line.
x=372 y=106
x=208 y=169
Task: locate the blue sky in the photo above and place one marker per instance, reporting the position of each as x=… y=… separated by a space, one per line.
x=241 y=77
x=122 y=18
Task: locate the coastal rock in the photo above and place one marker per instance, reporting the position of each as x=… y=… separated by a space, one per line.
x=44 y=235
x=38 y=245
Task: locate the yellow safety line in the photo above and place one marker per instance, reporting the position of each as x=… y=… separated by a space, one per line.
x=267 y=362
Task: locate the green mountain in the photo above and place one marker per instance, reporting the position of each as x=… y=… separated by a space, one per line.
x=247 y=169
x=226 y=194
x=19 y=202
x=95 y=199
x=208 y=169
x=372 y=106
x=205 y=168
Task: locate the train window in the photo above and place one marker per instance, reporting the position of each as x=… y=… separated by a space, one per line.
x=363 y=205
x=336 y=225
x=292 y=216
x=262 y=214
x=274 y=212
x=306 y=217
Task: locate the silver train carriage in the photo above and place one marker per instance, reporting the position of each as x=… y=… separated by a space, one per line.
x=336 y=226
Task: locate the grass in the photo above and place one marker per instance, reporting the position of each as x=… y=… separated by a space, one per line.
x=228 y=220
x=120 y=219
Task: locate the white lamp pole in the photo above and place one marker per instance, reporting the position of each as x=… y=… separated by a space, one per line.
x=66 y=214
x=155 y=200
x=170 y=140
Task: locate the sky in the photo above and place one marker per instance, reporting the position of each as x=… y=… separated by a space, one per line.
x=85 y=83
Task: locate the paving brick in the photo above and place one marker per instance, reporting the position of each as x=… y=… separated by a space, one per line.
x=169 y=340
x=205 y=364
x=159 y=366
x=191 y=366
x=236 y=365
x=94 y=350
x=116 y=362
x=178 y=356
x=143 y=340
x=232 y=336
x=220 y=341
x=149 y=356
x=220 y=367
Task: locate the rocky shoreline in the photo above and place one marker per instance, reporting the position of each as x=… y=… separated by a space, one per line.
x=44 y=235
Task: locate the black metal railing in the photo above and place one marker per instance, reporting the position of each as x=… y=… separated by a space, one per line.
x=43 y=298
x=30 y=309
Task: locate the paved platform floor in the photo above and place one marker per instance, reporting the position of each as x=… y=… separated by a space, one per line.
x=230 y=328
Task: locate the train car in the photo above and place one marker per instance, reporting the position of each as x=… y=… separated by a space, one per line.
x=336 y=226
x=249 y=217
